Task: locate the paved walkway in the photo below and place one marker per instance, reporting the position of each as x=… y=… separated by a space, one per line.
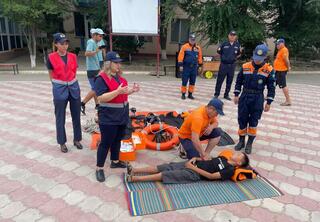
x=39 y=183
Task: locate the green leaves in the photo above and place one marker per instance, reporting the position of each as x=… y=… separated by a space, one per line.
x=32 y=12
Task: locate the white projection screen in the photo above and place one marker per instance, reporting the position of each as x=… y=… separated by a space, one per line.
x=134 y=16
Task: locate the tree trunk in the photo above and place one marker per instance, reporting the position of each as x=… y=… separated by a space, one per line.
x=33 y=55
x=30 y=34
x=163 y=42
x=163 y=34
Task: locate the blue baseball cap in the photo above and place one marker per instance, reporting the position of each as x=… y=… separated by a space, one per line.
x=232 y=32
x=113 y=57
x=218 y=105
x=60 y=38
x=279 y=41
x=260 y=52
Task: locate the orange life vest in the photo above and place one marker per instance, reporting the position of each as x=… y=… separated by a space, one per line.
x=239 y=173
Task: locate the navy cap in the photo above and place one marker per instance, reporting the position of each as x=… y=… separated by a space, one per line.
x=260 y=52
x=59 y=38
x=113 y=57
x=279 y=41
x=218 y=105
x=192 y=36
x=232 y=32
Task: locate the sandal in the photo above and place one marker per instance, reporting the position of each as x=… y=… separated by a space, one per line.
x=129 y=178
x=182 y=152
x=129 y=169
x=285 y=104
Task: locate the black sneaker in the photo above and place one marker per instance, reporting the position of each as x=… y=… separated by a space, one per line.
x=227 y=98
x=64 y=148
x=78 y=145
x=183 y=96
x=83 y=108
x=100 y=175
x=119 y=164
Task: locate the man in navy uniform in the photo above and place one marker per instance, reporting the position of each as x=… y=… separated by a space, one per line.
x=251 y=81
x=229 y=51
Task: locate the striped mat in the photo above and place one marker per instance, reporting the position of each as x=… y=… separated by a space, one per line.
x=155 y=197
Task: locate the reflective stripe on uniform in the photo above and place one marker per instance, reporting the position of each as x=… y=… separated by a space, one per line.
x=61 y=82
x=114 y=105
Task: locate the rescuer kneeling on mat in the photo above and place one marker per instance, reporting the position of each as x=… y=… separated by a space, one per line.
x=251 y=81
x=218 y=168
x=201 y=124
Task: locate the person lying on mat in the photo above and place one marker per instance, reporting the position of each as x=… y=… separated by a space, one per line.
x=218 y=168
x=201 y=124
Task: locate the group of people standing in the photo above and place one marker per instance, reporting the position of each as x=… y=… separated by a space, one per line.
x=252 y=79
x=110 y=92
x=108 y=88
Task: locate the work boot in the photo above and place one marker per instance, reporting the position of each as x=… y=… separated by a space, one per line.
x=241 y=143
x=190 y=96
x=248 y=148
x=64 y=148
x=183 y=96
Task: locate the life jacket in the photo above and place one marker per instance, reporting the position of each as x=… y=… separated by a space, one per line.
x=63 y=72
x=113 y=85
x=240 y=174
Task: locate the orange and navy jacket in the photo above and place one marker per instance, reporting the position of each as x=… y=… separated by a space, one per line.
x=190 y=55
x=256 y=77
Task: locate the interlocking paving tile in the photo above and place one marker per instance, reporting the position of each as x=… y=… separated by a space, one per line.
x=37 y=181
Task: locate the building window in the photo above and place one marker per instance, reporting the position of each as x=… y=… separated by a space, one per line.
x=2 y=25
x=10 y=35
x=180 y=29
x=5 y=43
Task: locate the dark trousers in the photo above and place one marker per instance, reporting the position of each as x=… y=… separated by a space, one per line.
x=250 y=109
x=188 y=146
x=111 y=136
x=189 y=74
x=225 y=70
x=60 y=113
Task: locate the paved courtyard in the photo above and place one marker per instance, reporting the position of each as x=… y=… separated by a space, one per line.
x=39 y=183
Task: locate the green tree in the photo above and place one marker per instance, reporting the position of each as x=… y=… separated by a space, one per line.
x=167 y=13
x=298 y=21
x=33 y=16
x=213 y=19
